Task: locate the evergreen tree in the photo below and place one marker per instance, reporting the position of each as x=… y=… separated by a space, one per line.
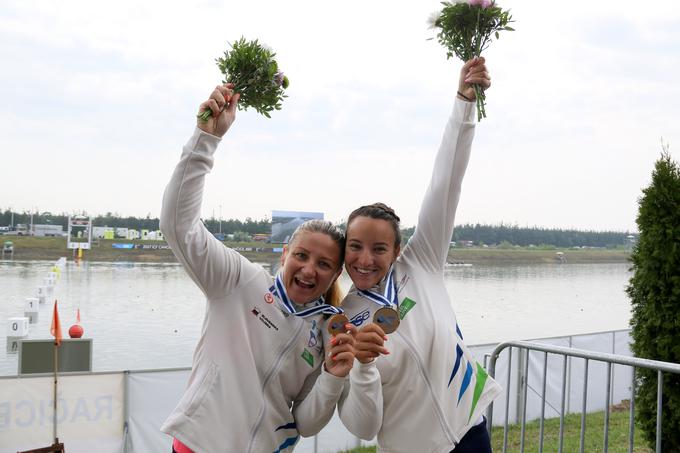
x=655 y=296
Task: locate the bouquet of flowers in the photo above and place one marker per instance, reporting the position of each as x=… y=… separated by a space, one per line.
x=255 y=74
x=465 y=29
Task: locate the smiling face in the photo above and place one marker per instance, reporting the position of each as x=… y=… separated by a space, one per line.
x=310 y=264
x=370 y=251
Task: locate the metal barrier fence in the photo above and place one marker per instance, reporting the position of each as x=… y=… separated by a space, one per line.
x=567 y=354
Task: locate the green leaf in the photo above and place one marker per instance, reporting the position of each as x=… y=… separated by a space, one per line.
x=251 y=68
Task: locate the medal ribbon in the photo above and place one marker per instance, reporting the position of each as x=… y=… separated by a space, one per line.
x=389 y=297
x=279 y=290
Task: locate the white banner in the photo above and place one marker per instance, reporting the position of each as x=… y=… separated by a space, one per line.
x=89 y=413
x=91 y=408
x=151 y=397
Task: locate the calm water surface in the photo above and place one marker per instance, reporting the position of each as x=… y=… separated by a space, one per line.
x=149 y=315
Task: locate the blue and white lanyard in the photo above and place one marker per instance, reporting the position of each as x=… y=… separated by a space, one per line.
x=320 y=306
x=389 y=297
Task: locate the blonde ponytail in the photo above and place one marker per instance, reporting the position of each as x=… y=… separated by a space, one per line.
x=334 y=295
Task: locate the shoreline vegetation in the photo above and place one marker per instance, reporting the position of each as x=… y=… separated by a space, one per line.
x=52 y=248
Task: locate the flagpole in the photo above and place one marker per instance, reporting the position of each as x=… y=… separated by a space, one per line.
x=56 y=361
x=55 y=330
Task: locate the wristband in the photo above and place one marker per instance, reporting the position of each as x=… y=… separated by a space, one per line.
x=465 y=97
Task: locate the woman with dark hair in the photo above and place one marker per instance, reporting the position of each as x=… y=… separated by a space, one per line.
x=434 y=392
x=261 y=375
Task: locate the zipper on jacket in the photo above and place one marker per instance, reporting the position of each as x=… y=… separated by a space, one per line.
x=442 y=420
x=270 y=373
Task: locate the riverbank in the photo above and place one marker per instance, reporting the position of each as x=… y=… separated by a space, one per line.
x=537 y=256
x=51 y=248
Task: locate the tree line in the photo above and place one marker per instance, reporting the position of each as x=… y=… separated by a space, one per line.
x=477 y=234
x=525 y=236
x=511 y=235
x=114 y=220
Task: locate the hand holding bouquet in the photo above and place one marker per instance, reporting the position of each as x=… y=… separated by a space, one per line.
x=465 y=29
x=255 y=75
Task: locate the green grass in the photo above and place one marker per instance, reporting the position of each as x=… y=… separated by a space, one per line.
x=594 y=438
x=525 y=255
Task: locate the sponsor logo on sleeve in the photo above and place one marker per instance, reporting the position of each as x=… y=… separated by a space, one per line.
x=405 y=306
x=402 y=283
x=309 y=358
x=359 y=318
x=266 y=321
x=315 y=336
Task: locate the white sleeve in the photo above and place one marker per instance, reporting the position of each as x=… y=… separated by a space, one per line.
x=361 y=403
x=215 y=268
x=430 y=241
x=315 y=405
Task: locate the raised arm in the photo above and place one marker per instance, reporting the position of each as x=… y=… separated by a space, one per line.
x=430 y=241
x=211 y=265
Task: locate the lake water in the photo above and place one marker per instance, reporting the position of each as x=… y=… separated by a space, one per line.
x=143 y=316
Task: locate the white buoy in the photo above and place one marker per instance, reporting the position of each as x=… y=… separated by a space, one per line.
x=17 y=327
x=31 y=304
x=32 y=317
x=12 y=345
x=44 y=294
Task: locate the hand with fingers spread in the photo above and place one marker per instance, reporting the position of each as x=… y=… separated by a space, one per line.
x=369 y=343
x=222 y=103
x=473 y=72
x=340 y=354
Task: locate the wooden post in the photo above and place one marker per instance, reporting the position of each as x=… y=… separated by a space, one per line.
x=56 y=369
x=56 y=447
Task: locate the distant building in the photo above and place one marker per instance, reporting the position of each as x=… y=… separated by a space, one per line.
x=21 y=229
x=99 y=232
x=48 y=230
x=156 y=235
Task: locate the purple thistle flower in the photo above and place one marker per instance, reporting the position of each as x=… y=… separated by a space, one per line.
x=481 y=3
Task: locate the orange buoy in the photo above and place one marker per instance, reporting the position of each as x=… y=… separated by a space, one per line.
x=76 y=331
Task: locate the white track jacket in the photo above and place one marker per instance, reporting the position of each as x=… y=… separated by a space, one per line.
x=253 y=361
x=433 y=389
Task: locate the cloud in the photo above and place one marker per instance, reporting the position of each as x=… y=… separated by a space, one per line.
x=581 y=94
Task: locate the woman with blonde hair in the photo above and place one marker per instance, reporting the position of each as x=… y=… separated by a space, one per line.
x=264 y=371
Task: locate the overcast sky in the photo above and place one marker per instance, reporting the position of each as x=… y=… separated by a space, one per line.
x=99 y=97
